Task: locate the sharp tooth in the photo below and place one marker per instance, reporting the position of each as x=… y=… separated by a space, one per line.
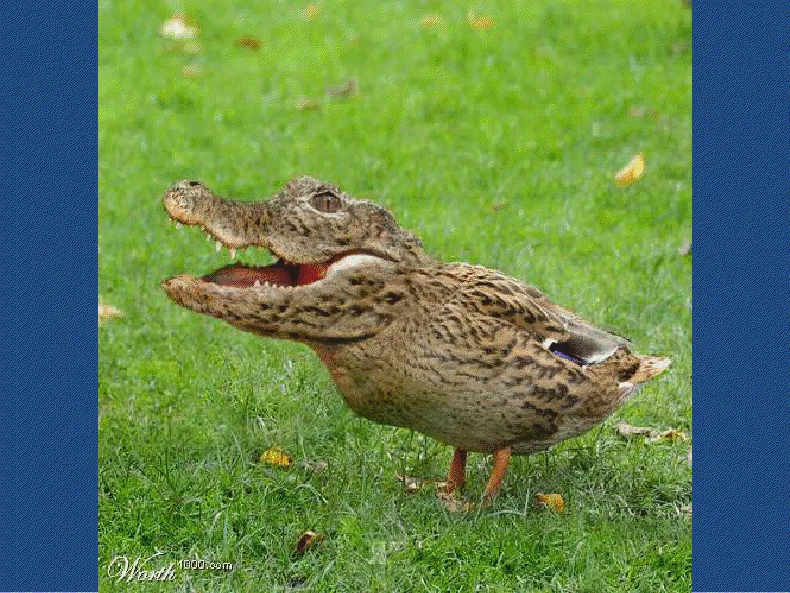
x=218 y=246
x=233 y=253
x=256 y=283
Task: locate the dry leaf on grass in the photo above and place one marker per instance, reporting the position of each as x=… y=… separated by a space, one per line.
x=179 y=26
x=107 y=312
x=307 y=541
x=276 y=456
x=431 y=21
x=305 y=104
x=651 y=434
x=631 y=172
x=455 y=504
x=481 y=23
x=251 y=43
x=668 y=435
x=315 y=465
x=555 y=502
x=411 y=485
x=311 y=11
x=627 y=430
x=347 y=89
x=497 y=206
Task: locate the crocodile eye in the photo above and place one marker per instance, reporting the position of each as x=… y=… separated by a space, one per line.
x=326 y=201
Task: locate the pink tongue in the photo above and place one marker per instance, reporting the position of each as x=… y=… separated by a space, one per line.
x=244 y=277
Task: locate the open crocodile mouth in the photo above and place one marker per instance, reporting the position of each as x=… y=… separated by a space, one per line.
x=282 y=273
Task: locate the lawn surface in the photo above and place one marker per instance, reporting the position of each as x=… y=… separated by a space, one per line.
x=497 y=146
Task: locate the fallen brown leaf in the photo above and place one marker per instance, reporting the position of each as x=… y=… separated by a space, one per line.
x=107 y=312
x=631 y=172
x=411 y=485
x=251 y=43
x=555 y=502
x=315 y=466
x=669 y=435
x=627 y=430
x=481 y=23
x=179 y=26
x=307 y=541
x=276 y=456
x=497 y=206
x=305 y=104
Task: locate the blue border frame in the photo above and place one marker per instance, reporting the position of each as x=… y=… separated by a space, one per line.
x=741 y=534
x=48 y=407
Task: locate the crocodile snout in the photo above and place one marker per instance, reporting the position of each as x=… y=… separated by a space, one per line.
x=185 y=199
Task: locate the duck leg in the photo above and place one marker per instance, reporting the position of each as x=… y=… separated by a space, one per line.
x=501 y=461
x=457 y=474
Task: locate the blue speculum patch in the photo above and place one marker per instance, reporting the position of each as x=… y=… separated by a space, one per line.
x=559 y=351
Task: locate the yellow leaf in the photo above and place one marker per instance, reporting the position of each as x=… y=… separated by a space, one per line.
x=554 y=502
x=669 y=435
x=480 y=23
x=631 y=172
x=276 y=456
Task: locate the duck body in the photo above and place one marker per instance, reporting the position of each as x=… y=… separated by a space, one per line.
x=473 y=361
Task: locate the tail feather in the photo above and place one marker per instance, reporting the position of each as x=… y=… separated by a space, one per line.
x=649 y=368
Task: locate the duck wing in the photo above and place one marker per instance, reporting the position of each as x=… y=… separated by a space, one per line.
x=558 y=330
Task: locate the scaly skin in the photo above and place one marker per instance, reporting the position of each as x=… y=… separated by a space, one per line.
x=461 y=353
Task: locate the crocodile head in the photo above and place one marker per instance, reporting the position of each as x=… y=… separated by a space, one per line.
x=334 y=254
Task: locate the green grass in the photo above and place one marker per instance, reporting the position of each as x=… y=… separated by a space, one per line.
x=534 y=115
